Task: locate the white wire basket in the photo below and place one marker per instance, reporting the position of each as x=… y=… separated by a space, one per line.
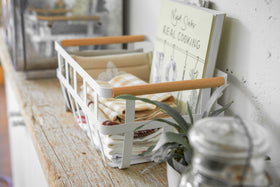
x=88 y=116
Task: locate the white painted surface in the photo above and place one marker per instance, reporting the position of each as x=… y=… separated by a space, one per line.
x=249 y=52
x=142 y=19
x=25 y=164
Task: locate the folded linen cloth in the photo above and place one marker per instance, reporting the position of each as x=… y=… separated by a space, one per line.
x=81 y=120
x=113 y=148
x=114 y=109
x=113 y=144
x=112 y=112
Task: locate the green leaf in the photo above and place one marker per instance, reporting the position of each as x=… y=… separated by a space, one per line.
x=152 y=165
x=177 y=156
x=188 y=155
x=166 y=147
x=178 y=166
x=169 y=145
x=212 y=100
x=147 y=123
x=148 y=151
x=136 y=129
x=178 y=138
x=190 y=113
x=220 y=110
x=168 y=109
x=164 y=151
x=178 y=128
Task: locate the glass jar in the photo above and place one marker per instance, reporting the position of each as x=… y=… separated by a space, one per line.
x=227 y=152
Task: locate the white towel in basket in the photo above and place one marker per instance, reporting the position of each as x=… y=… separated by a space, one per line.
x=112 y=112
x=113 y=144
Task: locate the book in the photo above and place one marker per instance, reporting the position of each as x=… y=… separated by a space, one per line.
x=186 y=47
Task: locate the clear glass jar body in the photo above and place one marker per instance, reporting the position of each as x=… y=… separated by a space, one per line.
x=225 y=155
x=211 y=172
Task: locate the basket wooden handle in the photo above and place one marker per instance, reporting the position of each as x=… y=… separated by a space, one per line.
x=103 y=40
x=169 y=86
x=66 y=18
x=53 y=11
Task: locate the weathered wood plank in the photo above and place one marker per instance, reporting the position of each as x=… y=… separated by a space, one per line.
x=65 y=152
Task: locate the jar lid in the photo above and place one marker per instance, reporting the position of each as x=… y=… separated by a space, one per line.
x=225 y=137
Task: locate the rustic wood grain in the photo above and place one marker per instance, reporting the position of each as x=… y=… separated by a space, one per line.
x=66 y=154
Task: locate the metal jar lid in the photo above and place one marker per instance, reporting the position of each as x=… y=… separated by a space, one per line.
x=225 y=138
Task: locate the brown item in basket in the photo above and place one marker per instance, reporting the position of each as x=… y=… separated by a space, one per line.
x=137 y=134
x=137 y=64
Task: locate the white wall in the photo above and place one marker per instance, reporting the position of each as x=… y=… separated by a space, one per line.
x=249 y=52
x=142 y=18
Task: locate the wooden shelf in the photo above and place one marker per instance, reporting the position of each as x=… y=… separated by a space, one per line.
x=66 y=154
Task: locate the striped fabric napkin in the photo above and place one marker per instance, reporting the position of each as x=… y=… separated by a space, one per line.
x=114 y=109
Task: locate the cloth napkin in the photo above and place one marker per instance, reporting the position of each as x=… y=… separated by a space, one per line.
x=114 y=109
x=113 y=144
x=112 y=112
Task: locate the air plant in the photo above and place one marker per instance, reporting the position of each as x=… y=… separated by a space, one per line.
x=176 y=149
